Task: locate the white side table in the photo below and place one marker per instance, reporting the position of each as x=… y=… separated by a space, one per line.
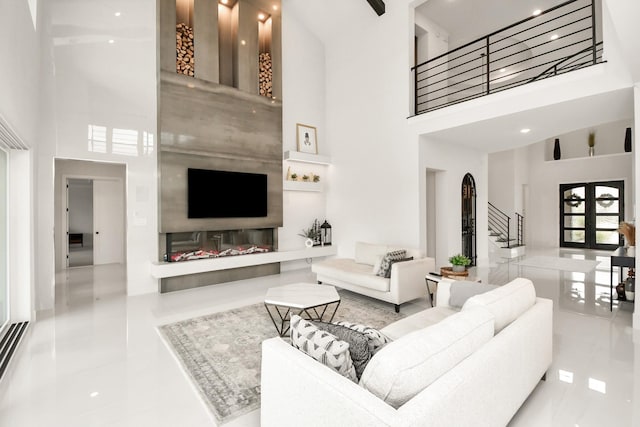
x=306 y=299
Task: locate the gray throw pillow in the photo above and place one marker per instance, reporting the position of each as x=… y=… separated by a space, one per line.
x=388 y=272
x=462 y=290
x=377 y=339
x=358 y=344
x=385 y=265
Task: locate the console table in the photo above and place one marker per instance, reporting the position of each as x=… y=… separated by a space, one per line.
x=619 y=258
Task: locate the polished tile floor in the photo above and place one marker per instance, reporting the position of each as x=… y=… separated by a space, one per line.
x=99 y=361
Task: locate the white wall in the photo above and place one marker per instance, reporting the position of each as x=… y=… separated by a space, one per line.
x=452 y=163
x=303 y=79
x=542 y=221
x=609 y=139
x=375 y=163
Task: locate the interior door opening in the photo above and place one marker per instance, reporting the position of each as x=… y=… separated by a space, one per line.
x=79 y=222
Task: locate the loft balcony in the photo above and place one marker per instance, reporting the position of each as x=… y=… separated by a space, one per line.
x=558 y=40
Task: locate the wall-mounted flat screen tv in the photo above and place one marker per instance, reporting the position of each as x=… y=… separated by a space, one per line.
x=224 y=194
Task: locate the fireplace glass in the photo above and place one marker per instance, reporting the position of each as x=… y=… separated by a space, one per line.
x=186 y=246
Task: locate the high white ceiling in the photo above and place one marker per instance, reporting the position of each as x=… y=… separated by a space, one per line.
x=468 y=20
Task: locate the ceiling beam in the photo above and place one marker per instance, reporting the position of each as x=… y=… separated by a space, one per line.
x=378 y=6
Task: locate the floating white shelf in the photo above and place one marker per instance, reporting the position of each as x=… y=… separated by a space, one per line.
x=301 y=186
x=297 y=156
x=160 y=270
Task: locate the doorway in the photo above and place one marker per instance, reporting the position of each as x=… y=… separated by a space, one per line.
x=469 y=218
x=590 y=214
x=79 y=222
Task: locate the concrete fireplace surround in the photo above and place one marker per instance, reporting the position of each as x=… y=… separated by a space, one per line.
x=207 y=125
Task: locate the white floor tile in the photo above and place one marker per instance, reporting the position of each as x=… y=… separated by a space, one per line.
x=99 y=361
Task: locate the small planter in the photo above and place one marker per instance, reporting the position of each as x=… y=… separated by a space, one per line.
x=458 y=268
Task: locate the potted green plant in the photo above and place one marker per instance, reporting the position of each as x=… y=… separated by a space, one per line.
x=305 y=178
x=294 y=176
x=311 y=234
x=459 y=262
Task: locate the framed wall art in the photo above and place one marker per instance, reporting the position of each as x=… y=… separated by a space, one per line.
x=307 y=139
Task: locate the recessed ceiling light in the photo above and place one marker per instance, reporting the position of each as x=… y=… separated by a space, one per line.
x=525 y=130
x=94 y=394
x=274 y=7
x=111 y=41
x=261 y=16
x=117 y=14
x=555 y=36
x=243 y=42
x=502 y=70
x=537 y=12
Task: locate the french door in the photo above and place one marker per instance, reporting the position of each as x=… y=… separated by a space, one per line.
x=590 y=214
x=469 y=218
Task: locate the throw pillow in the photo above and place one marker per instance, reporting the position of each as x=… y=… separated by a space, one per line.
x=376 y=339
x=388 y=272
x=358 y=344
x=385 y=265
x=376 y=266
x=324 y=347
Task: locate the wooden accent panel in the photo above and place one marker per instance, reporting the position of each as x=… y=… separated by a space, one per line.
x=246 y=58
x=205 y=27
x=276 y=54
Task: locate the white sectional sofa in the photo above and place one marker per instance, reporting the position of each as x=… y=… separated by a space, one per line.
x=357 y=274
x=444 y=367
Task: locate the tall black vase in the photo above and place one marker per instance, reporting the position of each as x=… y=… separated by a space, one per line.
x=556 y=150
x=627 y=141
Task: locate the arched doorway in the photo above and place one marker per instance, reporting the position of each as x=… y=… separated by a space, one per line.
x=469 y=218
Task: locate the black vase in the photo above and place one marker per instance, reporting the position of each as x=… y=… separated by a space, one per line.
x=556 y=150
x=627 y=141
x=620 y=291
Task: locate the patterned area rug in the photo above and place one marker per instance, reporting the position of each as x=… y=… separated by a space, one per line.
x=222 y=351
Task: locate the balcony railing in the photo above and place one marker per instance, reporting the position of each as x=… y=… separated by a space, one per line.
x=558 y=40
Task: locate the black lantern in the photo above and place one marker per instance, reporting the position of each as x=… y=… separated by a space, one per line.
x=325 y=233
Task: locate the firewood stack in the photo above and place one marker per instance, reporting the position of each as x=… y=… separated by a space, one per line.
x=185 y=61
x=265 y=75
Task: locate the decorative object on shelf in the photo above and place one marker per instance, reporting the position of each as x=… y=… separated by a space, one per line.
x=628 y=230
x=620 y=291
x=325 y=233
x=312 y=233
x=305 y=178
x=630 y=286
x=592 y=143
x=289 y=173
x=307 y=139
x=556 y=149
x=459 y=262
x=627 y=141
x=308 y=243
x=316 y=178
x=573 y=200
x=294 y=176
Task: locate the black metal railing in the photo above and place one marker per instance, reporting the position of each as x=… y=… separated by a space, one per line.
x=520 y=229
x=500 y=225
x=558 y=40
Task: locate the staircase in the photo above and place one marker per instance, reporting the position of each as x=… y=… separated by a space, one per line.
x=500 y=236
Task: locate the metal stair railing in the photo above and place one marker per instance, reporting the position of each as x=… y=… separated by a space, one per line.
x=500 y=224
x=520 y=237
x=560 y=39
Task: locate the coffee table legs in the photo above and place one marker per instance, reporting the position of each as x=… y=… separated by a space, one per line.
x=281 y=315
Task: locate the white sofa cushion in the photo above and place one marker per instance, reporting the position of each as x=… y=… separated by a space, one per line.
x=419 y=320
x=368 y=253
x=346 y=270
x=408 y=365
x=507 y=302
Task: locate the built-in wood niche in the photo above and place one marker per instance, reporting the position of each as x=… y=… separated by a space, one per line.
x=232 y=42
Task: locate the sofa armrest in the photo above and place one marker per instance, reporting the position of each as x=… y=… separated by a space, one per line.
x=298 y=390
x=407 y=278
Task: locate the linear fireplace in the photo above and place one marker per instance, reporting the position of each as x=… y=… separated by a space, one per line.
x=187 y=246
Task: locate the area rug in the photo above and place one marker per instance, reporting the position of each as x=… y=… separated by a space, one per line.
x=221 y=352
x=558 y=263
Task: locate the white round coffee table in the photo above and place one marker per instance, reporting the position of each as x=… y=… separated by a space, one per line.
x=307 y=300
